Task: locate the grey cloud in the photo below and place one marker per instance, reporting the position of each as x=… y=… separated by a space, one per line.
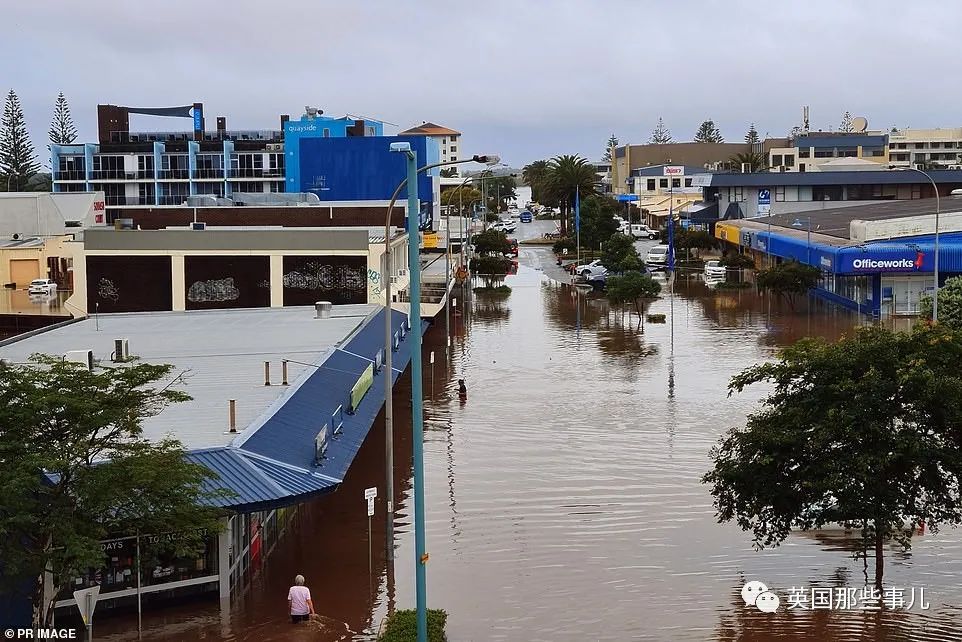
x=527 y=79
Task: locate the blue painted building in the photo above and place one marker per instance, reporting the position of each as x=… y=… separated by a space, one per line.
x=355 y=169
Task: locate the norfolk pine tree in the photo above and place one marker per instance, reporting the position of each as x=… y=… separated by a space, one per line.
x=661 y=135
x=62 y=130
x=708 y=132
x=18 y=162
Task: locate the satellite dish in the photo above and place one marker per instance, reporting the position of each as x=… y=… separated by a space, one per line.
x=859 y=124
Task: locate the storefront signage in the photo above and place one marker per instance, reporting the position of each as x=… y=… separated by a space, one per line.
x=362 y=386
x=764 y=201
x=674 y=170
x=885 y=263
x=825 y=262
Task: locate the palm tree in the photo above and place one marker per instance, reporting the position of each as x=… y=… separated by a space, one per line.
x=534 y=176
x=754 y=160
x=567 y=174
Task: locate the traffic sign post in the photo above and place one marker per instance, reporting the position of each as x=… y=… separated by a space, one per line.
x=86 y=602
x=764 y=201
x=369 y=495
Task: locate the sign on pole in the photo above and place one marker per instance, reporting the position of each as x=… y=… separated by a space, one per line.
x=432 y=356
x=87 y=602
x=674 y=170
x=764 y=201
x=370 y=507
x=370 y=493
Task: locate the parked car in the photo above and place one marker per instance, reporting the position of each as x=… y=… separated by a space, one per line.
x=508 y=225
x=642 y=231
x=657 y=256
x=514 y=246
x=588 y=270
x=714 y=269
x=42 y=286
x=526 y=216
x=625 y=228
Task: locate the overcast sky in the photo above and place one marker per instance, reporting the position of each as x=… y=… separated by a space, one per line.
x=528 y=79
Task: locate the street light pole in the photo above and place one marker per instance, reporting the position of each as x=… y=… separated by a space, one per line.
x=414 y=269
x=938 y=210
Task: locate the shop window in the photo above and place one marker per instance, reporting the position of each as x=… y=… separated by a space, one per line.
x=663 y=183
x=780 y=193
x=651 y=185
x=675 y=182
x=687 y=182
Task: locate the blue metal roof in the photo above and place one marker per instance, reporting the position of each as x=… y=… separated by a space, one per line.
x=275 y=465
x=865 y=177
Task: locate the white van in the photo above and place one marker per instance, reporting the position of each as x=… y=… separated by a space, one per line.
x=657 y=256
x=642 y=231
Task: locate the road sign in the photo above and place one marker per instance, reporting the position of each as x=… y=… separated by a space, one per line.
x=673 y=170
x=86 y=602
x=370 y=507
x=432 y=356
x=370 y=493
x=624 y=198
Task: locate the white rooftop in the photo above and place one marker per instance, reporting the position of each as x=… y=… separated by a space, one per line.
x=220 y=355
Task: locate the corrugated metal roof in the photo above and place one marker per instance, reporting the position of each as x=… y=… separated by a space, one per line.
x=236 y=474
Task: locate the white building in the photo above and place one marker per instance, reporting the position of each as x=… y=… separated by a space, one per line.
x=449 y=140
x=940 y=147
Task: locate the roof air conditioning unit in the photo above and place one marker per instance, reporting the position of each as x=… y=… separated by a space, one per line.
x=198 y=226
x=121 y=351
x=84 y=357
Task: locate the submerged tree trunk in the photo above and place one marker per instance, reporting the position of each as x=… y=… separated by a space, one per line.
x=879 y=557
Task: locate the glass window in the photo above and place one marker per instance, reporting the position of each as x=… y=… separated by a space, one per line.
x=776 y=160
x=454 y=158
x=687 y=182
x=663 y=183
x=801 y=167
x=780 y=193
x=902 y=146
x=676 y=182
x=739 y=194
x=651 y=185
x=936 y=145
x=804 y=152
x=454 y=148
x=789 y=160
x=919 y=145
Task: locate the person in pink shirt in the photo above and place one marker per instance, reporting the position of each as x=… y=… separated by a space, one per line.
x=299 y=601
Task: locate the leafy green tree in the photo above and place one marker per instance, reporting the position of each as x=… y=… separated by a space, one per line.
x=788 y=279
x=619 y=254
x=535 y=176
x=566 y=175
x=461 y=197
x=689 y=240
x=62 y=130
x=754 y=160
x=752 y=136
x=611 y=144
x=448 y=172
x=950 y=304
x=499 y=190
x=632 y=287
x=738 y=261
x=77 y=469
x=598 y=220
x=18 y=161
x=660 y=135
x=491 y=242
x=864 y=431
x=708 y=132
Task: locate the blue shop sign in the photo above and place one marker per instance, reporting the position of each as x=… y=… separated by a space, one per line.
x=899 y=260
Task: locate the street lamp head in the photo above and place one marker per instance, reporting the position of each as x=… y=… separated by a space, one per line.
x=487 y=159
x=400 y=147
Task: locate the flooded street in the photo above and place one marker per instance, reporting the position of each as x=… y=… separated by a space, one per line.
x=564 y=497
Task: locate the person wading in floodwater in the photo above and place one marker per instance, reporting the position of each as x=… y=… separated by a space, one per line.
x=462 y=390
x=299 y=601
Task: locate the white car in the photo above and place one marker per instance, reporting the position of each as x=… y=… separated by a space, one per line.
x=715 y=270
x=625 y=228
x=509 y=225
x=590 y=270
x=657 y=256
x=42 y=286
x=642 y=231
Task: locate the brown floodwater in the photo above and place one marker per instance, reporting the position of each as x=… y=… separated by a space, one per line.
x=564 y=499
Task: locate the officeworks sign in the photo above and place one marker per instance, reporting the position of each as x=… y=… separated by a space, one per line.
x=867 y=264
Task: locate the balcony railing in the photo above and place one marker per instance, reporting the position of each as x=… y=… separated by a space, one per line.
x=209 y=172
x=167 y=199
x=118 y=201
x=267 y=135
x=70 y=175
x=174 y=174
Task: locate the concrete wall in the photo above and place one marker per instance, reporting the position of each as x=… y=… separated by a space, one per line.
x=44 y=214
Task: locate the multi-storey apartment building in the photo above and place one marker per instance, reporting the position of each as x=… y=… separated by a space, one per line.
x=137 y=169
x=449 y=141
